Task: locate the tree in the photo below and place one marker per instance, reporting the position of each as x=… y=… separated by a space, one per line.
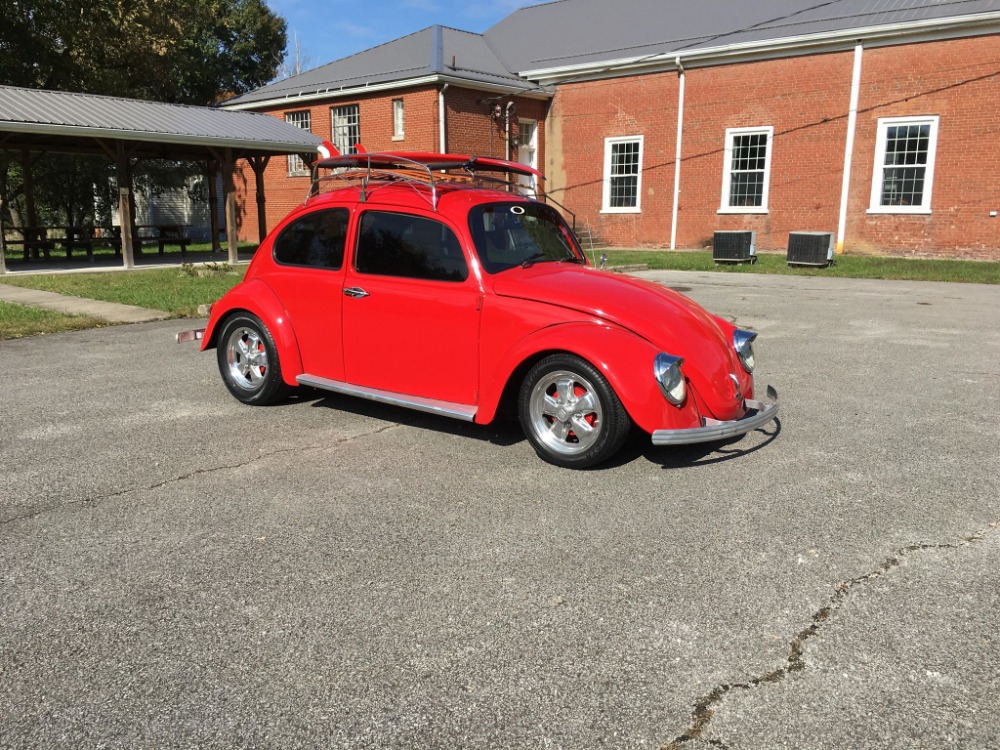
x=181 y=51
x=295 y=63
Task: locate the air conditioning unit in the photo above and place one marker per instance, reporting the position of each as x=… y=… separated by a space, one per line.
x=734 y=247
x=810 y=249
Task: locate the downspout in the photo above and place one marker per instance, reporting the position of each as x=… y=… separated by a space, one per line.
x=507 y=127
x=852 y=119
x=442 y=139
x=677 y=155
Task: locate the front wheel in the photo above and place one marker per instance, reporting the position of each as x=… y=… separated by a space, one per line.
x=570 y=413
x=248 y=361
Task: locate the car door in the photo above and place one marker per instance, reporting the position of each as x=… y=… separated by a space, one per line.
x=411 y=309
x=308 y=278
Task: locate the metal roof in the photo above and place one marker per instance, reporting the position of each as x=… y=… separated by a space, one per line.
x=30 y=116
x=434 y=52
x=567 y=33
x=577 y=32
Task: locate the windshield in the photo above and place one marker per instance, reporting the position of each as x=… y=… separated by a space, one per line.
x=520 y=234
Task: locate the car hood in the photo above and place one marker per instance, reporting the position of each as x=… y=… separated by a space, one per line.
x=665 y=318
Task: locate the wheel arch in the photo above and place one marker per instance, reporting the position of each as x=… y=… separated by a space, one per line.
x=258 y=299
x=624 y=359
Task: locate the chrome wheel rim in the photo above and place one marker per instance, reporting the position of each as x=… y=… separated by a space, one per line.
x=246 y=356
x=565 y=413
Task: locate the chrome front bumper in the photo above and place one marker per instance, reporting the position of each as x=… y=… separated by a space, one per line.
x=758 y=415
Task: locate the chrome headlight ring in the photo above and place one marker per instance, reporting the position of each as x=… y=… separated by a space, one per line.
x=743 y=344
x=667 y=370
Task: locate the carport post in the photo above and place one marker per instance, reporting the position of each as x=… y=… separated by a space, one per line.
x=213 y=204
x=124 y=204
x=3 y=238
x=259 y=164
x=230 y=190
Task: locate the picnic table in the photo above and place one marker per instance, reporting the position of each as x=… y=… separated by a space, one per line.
x=165 y=234
x=41 y=241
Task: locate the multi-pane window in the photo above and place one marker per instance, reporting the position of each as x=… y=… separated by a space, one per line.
x=622 y=174
x=746 y=170
x=346 y=127
x=398 y=123
x=904 y=165
x=297 y=163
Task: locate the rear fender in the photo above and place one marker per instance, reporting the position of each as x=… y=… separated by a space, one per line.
x=625 y=360
x=257 y=297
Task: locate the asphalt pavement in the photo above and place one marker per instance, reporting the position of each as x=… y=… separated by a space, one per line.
x=178 y=570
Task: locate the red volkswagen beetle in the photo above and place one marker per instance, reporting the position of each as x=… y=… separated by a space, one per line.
x=421 y=281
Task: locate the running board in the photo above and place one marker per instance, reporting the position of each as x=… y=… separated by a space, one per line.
x=443 y=408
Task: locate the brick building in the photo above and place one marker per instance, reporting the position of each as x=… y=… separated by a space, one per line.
x=658 y=123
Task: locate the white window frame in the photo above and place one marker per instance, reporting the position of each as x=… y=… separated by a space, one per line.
x=727 y=171
x=302 y=119
x=607 y=208
x=527 y=184
x=356 y=124
x=878 y=169
x=398 y=120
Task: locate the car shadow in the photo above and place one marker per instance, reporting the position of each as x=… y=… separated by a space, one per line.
x=507 y=432
x=500 y=432
x=706 y=454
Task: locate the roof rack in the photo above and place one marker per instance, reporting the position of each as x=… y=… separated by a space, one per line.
x=418 y=170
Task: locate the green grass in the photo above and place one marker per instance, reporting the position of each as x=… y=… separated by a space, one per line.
x=847 y=266
x=17 y=321
x=178 y=291
x=181 y=290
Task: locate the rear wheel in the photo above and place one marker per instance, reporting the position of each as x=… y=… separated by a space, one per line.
x=570 y=413
x=248 y=361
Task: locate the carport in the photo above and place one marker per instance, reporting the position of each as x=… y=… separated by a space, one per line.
x=34 y=122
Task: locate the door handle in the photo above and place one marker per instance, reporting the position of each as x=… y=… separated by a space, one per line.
x=356 y=292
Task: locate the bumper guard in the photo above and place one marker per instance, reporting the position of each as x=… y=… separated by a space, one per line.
x=758 y=414
x=196 y=335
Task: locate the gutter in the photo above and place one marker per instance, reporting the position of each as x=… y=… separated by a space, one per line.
x=294 y=100
x=927 y=30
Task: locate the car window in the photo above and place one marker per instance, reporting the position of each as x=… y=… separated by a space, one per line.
x=509 y=234
x=315 y=240
x=391 y=244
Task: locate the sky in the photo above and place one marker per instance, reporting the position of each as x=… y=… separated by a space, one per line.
x=328 y=30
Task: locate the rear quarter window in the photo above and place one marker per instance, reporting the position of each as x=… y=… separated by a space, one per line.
x=315 y=240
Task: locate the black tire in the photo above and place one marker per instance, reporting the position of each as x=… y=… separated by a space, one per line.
x=570 y=413
x=248 y=361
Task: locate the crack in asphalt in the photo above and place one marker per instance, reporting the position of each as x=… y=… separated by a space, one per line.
x=705 y=708
x=197 y=472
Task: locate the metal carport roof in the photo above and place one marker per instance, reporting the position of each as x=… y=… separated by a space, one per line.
x=125 y=129
x=59 y=120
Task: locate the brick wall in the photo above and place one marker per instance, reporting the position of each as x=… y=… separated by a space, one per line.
x=806 y=101
x=960 y=82
x=469 y=130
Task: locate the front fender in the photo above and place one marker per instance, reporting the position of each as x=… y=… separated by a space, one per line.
x=257 y=297
x=625 y=360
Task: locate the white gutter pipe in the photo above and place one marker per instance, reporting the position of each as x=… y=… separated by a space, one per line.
x=442 y=136
x=852 y=119
x=677 y=155
x=507 y=127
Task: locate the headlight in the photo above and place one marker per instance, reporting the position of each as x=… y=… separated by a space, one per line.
x=670 y=378
x=743 y=343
